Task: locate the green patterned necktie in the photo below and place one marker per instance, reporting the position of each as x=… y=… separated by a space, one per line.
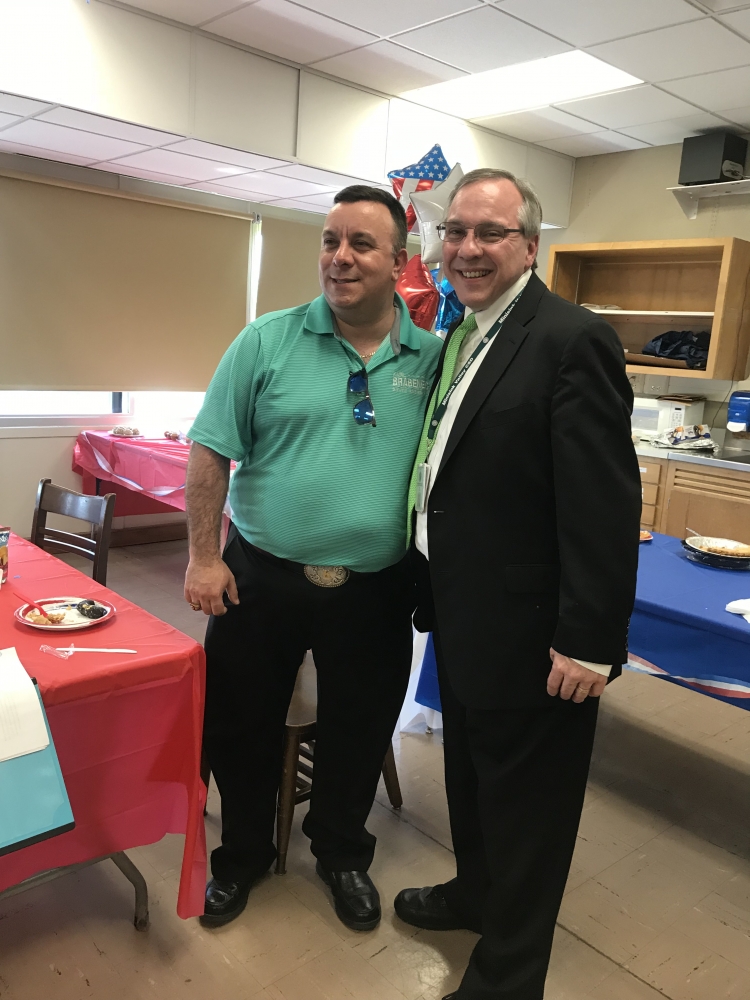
x=424 y=448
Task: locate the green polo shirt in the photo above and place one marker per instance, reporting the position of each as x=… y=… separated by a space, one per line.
x=312 y=485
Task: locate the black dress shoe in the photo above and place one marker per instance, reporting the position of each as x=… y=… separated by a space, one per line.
x=225 y=901
x=356 y=898
x=428 y=908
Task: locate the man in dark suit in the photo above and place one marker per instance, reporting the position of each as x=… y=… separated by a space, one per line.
x=527 y=507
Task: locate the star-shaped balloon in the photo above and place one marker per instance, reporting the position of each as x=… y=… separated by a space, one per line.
x=431 y=207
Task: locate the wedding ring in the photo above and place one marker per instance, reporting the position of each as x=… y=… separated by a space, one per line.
x=195 y=607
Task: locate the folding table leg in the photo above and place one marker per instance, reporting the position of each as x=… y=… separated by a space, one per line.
x=132 y=874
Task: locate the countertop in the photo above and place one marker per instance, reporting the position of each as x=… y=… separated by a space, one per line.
x=738 y=461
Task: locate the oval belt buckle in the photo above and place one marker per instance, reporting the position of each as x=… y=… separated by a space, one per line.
x=327 y=576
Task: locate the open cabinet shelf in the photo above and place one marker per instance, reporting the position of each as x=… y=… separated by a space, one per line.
x=698 y=285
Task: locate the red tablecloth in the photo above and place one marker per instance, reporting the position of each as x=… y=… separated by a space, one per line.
x=151 y=467
x=127 y=729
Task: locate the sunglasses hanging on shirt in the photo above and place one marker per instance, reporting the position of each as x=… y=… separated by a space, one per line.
x=364 y=411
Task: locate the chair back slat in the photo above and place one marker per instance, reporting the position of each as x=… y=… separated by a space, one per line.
x=98 y=511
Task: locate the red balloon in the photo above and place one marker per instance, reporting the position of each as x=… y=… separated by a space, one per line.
x=417 y=289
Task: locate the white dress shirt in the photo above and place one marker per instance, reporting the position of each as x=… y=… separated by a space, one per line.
x=485 y=320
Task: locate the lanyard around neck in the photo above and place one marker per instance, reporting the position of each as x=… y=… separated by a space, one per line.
x=440 y=408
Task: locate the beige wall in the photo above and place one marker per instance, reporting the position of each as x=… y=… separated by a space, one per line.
x=623 y=196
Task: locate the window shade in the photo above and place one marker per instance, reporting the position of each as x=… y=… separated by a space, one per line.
x=289 y=264
x=100 y=292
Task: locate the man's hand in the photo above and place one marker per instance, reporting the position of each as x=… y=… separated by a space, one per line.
x=570 y=680
x=205 y=583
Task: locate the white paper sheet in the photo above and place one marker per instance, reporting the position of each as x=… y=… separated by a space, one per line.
x=22 y=728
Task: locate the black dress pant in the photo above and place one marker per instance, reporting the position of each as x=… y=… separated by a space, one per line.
x=361 y=637
x=515 y=780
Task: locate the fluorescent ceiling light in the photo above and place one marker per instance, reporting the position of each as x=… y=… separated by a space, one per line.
x=523 y=86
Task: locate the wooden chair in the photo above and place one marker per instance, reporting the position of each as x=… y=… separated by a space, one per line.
x=299 y=755
x=98 y=511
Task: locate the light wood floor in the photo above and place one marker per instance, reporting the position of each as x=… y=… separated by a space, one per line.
x=658 y=901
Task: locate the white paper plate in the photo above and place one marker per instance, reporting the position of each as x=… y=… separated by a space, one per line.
x=73 y=618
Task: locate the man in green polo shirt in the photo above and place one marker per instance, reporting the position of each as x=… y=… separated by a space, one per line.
x=321 y=406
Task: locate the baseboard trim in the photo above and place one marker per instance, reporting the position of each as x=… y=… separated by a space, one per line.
x=172 y=532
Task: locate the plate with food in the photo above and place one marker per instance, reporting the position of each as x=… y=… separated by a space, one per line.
x=646 y=536
x=65 y=613
x=721 y=553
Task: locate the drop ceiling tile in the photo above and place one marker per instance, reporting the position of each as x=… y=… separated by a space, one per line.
x=323 y=201
x=588 y=22
x=290 y=31
x=740 y=116
x=223 y=154
x=629 y=107
x=187 y=11
x=739 y=20
x=698 y=47
x=131 y=170
x=719 y=5
x=663 y=133
x=8 y=119
x=274 y=185
x=389 y=68
x=106 y=126
x=59 y=139
x=299 y=205
x=191 y=168
x=593 y=144
x=45 y=154
x=726 y=89
x=236 y=193
x=21 y=106
x=387 y=17
x=482 y=39
x=539 y=124
x=327 y=177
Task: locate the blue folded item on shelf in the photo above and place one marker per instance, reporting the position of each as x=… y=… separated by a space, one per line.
x=34 y=803
x=681 y=345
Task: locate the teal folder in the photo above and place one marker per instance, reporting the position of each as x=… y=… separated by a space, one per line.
x=33 y=801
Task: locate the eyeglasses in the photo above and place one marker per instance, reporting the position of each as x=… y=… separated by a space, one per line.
x=364 y=411
x=485 y=232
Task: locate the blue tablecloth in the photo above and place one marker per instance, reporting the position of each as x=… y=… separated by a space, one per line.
x=679 y=630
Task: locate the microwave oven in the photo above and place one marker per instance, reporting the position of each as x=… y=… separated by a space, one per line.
x=652 y=417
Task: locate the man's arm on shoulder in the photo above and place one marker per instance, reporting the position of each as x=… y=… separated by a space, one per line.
x=208 y=576
x=598 y=502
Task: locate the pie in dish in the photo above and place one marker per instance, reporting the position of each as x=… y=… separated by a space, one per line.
x=723 y=547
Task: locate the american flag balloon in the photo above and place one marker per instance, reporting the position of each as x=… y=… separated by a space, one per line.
x=421 y=176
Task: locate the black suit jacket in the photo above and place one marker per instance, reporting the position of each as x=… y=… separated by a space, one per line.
x=534 y=512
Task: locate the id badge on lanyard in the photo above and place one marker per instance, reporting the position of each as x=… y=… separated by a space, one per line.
x=423 y=487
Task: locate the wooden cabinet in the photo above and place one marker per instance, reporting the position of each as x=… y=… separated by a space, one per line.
x=707 y=501
x=653 y=478
x=661 y=285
